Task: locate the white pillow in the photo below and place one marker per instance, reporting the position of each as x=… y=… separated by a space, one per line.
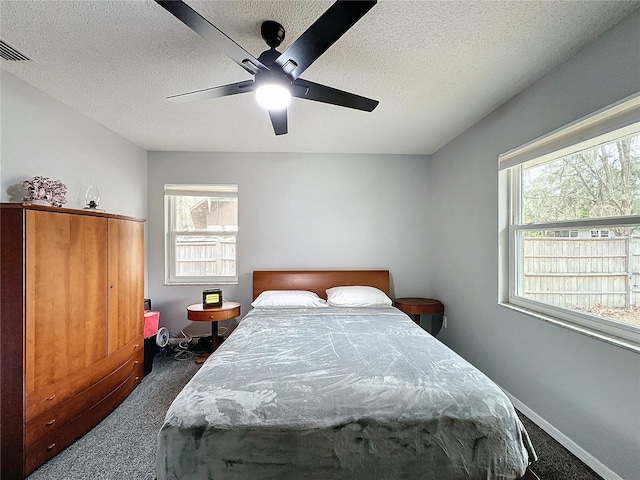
x=357 y=296
x=289 y=299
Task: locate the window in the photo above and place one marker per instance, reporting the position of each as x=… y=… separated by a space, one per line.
x=201 y=231
x=571 y=225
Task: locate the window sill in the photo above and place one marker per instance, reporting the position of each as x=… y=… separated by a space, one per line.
x=604 y=337
x=196 y=284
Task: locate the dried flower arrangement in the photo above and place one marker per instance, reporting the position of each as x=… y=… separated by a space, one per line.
x=44 y=189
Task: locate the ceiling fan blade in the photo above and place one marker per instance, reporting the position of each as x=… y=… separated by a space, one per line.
x=215 y=92
x=213 y=34
x=279 y=121
x=339 y=18
x=322 y=93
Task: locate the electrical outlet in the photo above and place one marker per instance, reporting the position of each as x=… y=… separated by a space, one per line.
x=444 y=321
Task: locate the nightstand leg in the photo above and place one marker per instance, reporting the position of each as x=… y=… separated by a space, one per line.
x=215 y=340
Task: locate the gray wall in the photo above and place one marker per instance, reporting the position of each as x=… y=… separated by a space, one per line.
x=41 y=136
x=300 y=211
x=587 y=389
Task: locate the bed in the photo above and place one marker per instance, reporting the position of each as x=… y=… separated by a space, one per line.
x=338 y=392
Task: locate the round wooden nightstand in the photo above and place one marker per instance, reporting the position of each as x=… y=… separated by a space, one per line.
x=228 y=310
x=417 y=306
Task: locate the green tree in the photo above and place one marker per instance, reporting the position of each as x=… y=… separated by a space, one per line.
x=600 y=182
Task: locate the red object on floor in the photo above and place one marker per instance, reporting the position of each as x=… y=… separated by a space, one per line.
x=151 y=321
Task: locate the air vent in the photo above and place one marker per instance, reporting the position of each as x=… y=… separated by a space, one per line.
x=9 y=53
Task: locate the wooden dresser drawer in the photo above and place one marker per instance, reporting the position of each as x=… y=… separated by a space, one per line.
x=43 y=400
x=50 y=443
x=57 y=416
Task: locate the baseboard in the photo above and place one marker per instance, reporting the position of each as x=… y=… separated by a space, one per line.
x=565 y=441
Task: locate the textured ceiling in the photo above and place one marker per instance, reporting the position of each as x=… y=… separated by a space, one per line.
x=436 y=67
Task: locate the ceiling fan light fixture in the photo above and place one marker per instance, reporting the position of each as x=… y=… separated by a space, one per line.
x=273 y=96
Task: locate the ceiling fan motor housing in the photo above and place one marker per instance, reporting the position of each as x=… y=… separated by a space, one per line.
x=273 y=77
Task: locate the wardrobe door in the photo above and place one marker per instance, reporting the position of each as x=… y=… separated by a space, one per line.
x=66 y=308
x=126 y=282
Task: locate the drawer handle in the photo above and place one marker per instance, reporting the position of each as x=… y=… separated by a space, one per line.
x=51 y=397
x=136 y=362
x=51 y=422
x=50 y=447
x=136 y=346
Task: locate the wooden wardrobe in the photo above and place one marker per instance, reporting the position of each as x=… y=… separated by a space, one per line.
x=71 y=346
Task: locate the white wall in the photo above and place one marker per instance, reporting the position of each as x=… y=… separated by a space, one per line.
x=587 y=389
x=41 y=136
x=301 y=211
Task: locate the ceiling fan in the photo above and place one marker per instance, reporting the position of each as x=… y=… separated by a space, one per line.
x=277 y=75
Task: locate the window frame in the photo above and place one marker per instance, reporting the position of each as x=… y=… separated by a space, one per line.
x=575 y=137
x=171 y=191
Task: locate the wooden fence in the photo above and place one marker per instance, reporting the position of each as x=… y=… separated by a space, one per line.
x=583 y=272
x=207 y=257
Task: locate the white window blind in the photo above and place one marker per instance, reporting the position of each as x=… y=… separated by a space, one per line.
x=619 y=119
x=201 y=190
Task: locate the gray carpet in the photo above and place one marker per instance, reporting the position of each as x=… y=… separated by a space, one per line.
x=123 y=445
x=554 y=461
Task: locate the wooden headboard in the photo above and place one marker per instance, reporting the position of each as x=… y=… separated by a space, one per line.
x=318 y=280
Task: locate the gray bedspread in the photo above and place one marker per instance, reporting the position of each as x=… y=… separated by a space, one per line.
x=339 y=393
